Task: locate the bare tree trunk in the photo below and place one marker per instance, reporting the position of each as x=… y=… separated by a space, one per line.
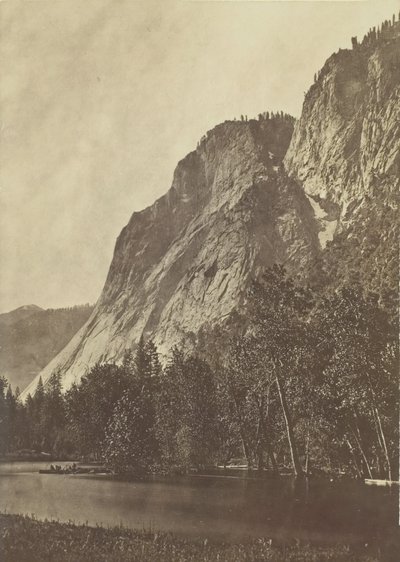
x=363 y=455
x=383 y=438
x=267 y=437
x=358 y=470
x=272 y=458
x=379 y=465
x=307 y=461
x=307 y=453
x=380 y=432
x=377 y=455
x=270 y=451
x=245 y=446
x=359 y=442
x=289 y=429
x=260 y=463
x=259 y=438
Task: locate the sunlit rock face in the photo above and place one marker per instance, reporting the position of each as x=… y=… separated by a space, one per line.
x=321 y=200
x=347 y=139
x=345 y=152
x=187 y=260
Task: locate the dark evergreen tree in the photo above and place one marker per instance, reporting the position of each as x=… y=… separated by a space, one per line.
x=131 y=444
x=90 y=406
x=4 y=420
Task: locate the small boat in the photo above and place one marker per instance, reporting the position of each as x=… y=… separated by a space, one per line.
x=77 y=470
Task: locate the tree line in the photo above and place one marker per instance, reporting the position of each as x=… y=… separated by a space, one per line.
x=295 y=382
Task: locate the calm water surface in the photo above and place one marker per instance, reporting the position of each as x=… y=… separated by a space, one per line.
x=207 y=506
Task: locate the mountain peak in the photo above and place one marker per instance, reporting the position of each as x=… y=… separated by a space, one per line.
x=18 y=313
x=29 y=307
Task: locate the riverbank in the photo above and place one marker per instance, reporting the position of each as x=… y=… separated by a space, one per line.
x=24 y=539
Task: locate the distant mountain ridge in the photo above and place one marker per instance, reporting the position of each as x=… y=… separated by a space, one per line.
x=31 y=336
x=321 y=199
x=19 y=313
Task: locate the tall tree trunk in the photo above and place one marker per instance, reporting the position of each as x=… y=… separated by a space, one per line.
x=377 y=454
x=289 y=429
x=267 y=437
x=353 y=454
x=269 y=449
x=363 y=455
x=272 y=458
x=259 y=438
x=307 y=461
x=383 y=438
x=306 y=464
x=379 y=465
x=260 y=463
x=245 y=446
x=359 y=442
x=380 y=432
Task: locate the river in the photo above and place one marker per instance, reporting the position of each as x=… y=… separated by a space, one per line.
x=227 y=508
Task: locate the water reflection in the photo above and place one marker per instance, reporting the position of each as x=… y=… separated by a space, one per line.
x=206 y=506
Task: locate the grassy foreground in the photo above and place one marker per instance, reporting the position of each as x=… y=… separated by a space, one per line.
x=23 y=539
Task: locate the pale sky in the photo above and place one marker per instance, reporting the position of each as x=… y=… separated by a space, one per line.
x=100 y=99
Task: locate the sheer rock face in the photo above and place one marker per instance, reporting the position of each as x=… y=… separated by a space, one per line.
x=237 y=204
x=186 y=261
x=345 y=152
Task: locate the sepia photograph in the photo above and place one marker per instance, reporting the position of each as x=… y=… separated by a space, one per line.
x=199 y=280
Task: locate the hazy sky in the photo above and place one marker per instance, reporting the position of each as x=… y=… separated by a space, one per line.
x=99 y=100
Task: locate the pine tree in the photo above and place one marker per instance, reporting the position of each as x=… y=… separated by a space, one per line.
x=90 y=405
x=4 y=426
x=170 y=411
x=131 y=443
x=53 y=415
x=37 y=416
x=128 y=445
x=11 y=405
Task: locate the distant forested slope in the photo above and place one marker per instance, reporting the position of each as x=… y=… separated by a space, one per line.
x=31 y=336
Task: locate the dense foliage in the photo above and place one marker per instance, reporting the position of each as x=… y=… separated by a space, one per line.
x=298 y=382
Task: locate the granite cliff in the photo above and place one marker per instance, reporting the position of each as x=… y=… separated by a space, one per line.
x=186 y=261
x=321 y=199
x=345 y=153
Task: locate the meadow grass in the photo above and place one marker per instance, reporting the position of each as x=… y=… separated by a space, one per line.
x=25 y=539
